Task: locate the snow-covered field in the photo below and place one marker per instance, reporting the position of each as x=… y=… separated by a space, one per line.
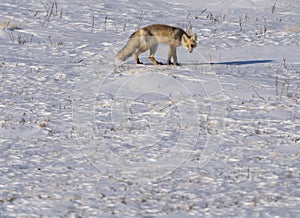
x=217 y=136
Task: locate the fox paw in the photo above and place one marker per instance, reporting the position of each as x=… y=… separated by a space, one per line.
x=174 y=64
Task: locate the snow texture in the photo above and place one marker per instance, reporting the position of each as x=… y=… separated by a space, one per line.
x=215 y=137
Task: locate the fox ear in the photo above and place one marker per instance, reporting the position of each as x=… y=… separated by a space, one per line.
x=194 y=37
x=185 y=37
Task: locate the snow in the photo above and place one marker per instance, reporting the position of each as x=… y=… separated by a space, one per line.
x=217 y=136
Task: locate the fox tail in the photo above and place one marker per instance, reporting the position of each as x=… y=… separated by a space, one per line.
x=132 y=45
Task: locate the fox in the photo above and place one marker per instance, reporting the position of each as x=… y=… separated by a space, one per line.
x=149 y=37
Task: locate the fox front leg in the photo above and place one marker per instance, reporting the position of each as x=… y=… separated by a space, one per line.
x=172 y=53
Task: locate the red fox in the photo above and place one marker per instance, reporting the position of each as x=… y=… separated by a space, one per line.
x=150 y=36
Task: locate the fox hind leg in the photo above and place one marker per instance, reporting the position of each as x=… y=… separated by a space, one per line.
x=153 y=49
x=138 y=52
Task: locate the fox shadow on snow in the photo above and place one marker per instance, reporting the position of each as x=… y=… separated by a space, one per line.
x=245 y=62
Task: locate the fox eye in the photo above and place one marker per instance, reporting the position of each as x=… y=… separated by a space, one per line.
x=192 y=46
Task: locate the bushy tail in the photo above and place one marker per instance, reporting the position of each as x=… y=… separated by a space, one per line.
x=128 y=50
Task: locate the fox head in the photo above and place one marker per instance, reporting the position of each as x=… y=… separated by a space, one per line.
x=189 y=42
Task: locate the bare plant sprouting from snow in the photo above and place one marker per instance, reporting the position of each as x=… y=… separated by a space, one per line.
x=51 y=11
x=261 y=30
x=284 y=82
